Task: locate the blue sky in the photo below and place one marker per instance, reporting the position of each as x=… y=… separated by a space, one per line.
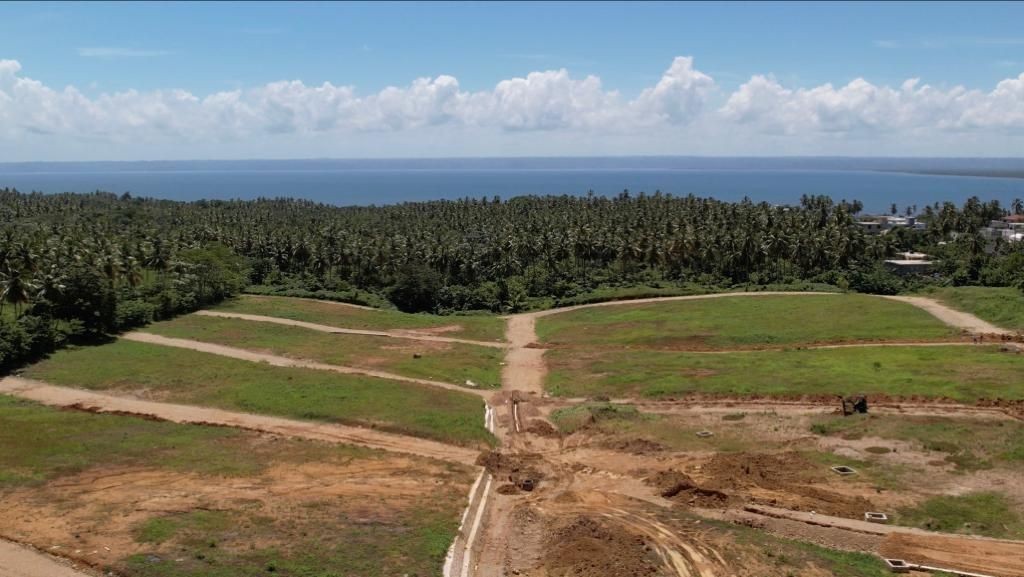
x=208 y=49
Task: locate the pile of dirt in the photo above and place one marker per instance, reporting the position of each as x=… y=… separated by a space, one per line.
x=678 y=486
x=542 y=429
x=636 y=445
x=765 y=470
x=584 y=547
x=520 y=469
x=786 y=480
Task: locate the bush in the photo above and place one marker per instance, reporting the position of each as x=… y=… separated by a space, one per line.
x=133 y=313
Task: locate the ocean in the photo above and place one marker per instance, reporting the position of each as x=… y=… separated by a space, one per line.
x=376 y=182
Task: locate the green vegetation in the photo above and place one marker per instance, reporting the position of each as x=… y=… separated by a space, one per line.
x=970 y=444
x=1001 y=306
x=743 y=322
x=324 y=540
x=75 y=267
x=789 y=557
x=453 y=363
x=572 y=419
x=39 y=444
x=379 y=536
x=983 y=513
x=184 y=376
x=964 y=373
x=476 y=327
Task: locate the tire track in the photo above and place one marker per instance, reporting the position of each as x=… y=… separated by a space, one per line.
x=279 y=361
x=102 y=403
x=409 y=335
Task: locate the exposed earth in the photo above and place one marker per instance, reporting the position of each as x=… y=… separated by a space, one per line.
x=592 y=503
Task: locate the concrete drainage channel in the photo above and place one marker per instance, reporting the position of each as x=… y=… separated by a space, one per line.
x=901 y=566
x=460 y=554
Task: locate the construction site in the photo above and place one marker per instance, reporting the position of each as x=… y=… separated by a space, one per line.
x=607 y=440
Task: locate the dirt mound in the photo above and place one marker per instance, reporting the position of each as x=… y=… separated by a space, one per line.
x=769 y=471
x=786 y=480
x=636 y=445
x=584 y=547
x=542 y=429
x=519 y=469
x=672 y=484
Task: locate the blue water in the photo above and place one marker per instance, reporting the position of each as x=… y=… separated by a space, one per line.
x=387 y=185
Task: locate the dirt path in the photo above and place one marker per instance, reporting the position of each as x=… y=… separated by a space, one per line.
x=524 y=368
x=19 y=561
x=404 y=334
x=988 y=557
x=101 y=403
x=278 y=361
x=951 y=316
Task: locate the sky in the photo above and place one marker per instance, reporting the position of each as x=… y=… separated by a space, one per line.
x=149 y=81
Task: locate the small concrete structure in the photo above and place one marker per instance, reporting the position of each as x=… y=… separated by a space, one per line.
x=844 y=470
x=873 y=517
x=704 y=434
x=897 y=565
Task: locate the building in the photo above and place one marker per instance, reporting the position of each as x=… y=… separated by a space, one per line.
x=910 y=263
x=1009 y=228
x=883 y=224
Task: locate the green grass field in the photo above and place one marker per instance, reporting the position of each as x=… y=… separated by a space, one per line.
x=448 y=362
x=1001 y=306
x=970 y=444
x=477 y=327
x=743 y=321
x=379 y=537
x=983 y=513
x=184 y=376
x=964 y=373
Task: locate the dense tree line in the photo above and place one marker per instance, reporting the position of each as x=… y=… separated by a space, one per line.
x=79 y=266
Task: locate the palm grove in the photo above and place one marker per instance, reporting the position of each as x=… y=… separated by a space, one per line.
x=78 y=267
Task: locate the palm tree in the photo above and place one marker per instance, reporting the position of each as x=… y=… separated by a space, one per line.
x=14 y=290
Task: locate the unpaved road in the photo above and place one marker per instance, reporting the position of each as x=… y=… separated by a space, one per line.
x=18 y=561
x=951 y=316
x=409 y=335
x=101 y=403
x=279 y=361
x=524 y=368
x=989 y=557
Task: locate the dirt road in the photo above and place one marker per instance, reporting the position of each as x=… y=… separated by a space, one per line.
x=951 y=316
x=101 y=403
x=19 y=561
x=279 y=361
x=988 y=557
x=524 y=368
x=409 y=334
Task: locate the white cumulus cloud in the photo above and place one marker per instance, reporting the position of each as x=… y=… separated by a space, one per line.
x=681 y=113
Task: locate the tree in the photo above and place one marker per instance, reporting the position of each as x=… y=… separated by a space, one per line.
x=416 y=289
x=14 y=290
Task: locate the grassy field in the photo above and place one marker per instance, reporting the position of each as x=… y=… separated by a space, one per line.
x=184 y=376
x=1001 y=306
x=964 y=373
x=983 y=513
x=742 y=322
x=453 y=363
x=287 y=533
x=477 y=327
x=970 y=444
